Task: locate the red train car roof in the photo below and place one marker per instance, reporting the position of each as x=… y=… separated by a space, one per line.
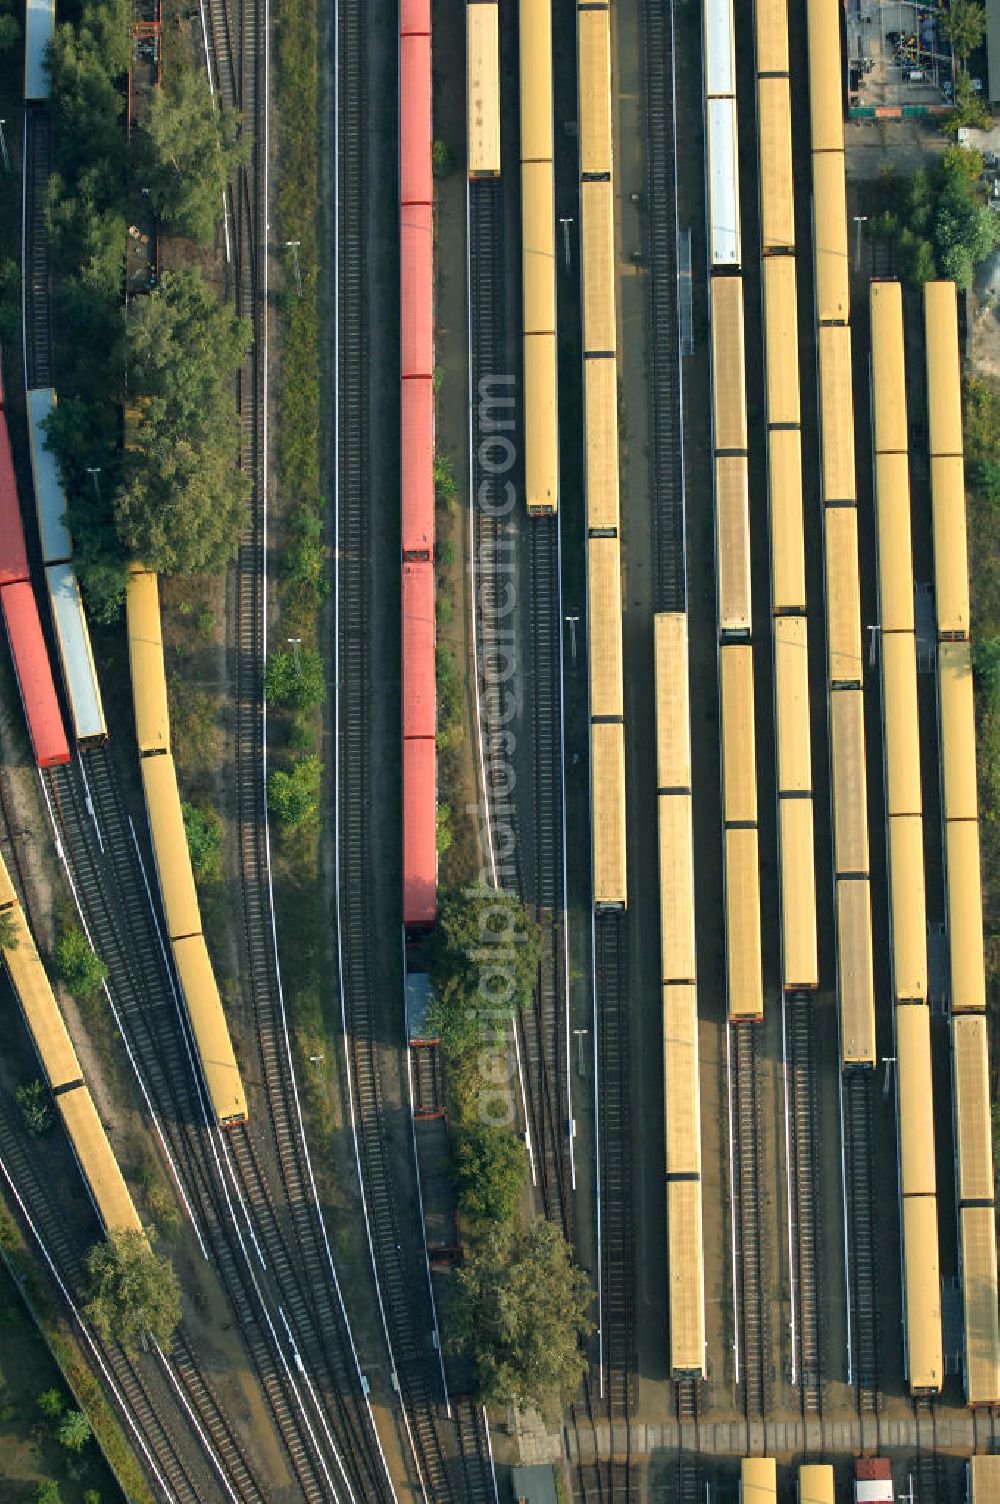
x=417 y=465
x=414 y=15
x=419 y=832
x=419 y=691
x=34 y=674
x=416 y=291
x=13 y=555
x=415 y=179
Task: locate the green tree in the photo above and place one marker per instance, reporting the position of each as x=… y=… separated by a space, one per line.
x=52 y=1403
x=131 y=1291
x=293 y=798
x=294 y=677
x=521 y=1314
x=86 y=61
x=186 y=153
x=965 y=26
x=984 y=476
x=203 y=827
x=445 y=835
x=981 y=419
x=9 y=936
x=47 y=1492
x=491 y=1169
x=36 y=1106
x=78 y=964
x=963 y=161
x=986 y=662
x=969 y=109
x=484 y=961
x=74 y=1431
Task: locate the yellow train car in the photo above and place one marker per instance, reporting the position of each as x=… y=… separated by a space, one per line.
x=965 y=916
x=604 y=628
x=978 y=1263
x=535 y=52
x=170 y=846
x=908 y=907
x=889 y=422
x=539 y=248
x=799 y=952
x=957 y=720
x=895 y=553
x=593 y=40
x=843 y=596
x=97 y=1161
x=145 y=647
x=902 y=724
x=541 y=428
x=685 y=1245
x=732 y=528
x=788 y=569
x=208 y=1022
x=678 y=960
x=855 y=971
x=673 y=714
x=729 y=398
x=771 y=36
x=38 y=1004
x=914 y=1100
x=597 y=215
x=682 y=1099
x=774 y=138
x=951 y=546
x=541 y=425
x=744 y=979
x=792 y=721
x=944 y=380
x=600 y=387
x=758 y=1481
x=482 y=83
x=816 y=1483
x=830 y=255
x=972 y=1108
x=850 y=783
x=826 y=78
x=781 y=341
x=607 y=775
x=836 y=414
x=984 y=1479
x=922 y=1299
x=739 y=746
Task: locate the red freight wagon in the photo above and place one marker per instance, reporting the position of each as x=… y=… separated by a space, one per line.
x=415 y=182
x=419 y=831
x=417 y=468
x=416 y=292
x=414 y=16
x=418 y=650
x=34 y=675
x=13 y=558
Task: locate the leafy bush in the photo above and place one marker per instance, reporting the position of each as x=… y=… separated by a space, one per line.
x=484 y=957
x=203 y=828
x=52 y=1403
x=74 y=1431
x=78 y=965
x=186 y=151
x=491 y=1171
x=293 y=798
x=442 y=161
x=450 y=699
x=294 y=677
x=939 y=220
x=131 y=1290
x=9 y=935
x=445 y=484
x=36 y=1106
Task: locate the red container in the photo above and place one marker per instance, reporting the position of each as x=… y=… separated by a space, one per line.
x=414 y=16
x=419 y=685
x=417 y=466
x=415 y=180
x=34 y=675
x=419 y=832
x=416 y=290
x=13 y=557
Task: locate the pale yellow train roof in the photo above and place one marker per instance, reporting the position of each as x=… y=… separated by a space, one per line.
x=732 y=523
x=816 y=1483
x=145 y=647
x=958 y=731
x=833 y=302
x=895 y=552
x=923 y=1293
x=982 y=1336
x=686 y=1267
x=984 y=1477
x=594 y=53
x=539 y=248
x=678 y=962
x=901 y=722
x=781 y=340
x=951 y=547
x=739 y=744
x=673 y=710
x=944 y=387
x=729 y=399
x=483 y=89
x=774 y=137
x=791 y=704
x=908 y=902
x=745 y=988
x=800 y=964
x=850 y=781
x=211 y=1032
x=170 y=846
x=918 y=1176
x=788 y=571
x=535 y=53
x=597 y=211
x=771 y=36
x=837 y=414
x=600 y=383
x=971 y=1077
x=965 y=916
x=758 y=1480
x=604 y=628
x=855 y=977
x=541 y=433
x=888 y=368
x=826 y=105
x=41 y=1011
x=607 y=774
x=97 y=1161
x=843 y=597
x=682 y=1097
x=8 y=893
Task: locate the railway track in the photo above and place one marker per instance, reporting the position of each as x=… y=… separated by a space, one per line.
x=802 y=1112
x=748 y=1231
x=858 y=1130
